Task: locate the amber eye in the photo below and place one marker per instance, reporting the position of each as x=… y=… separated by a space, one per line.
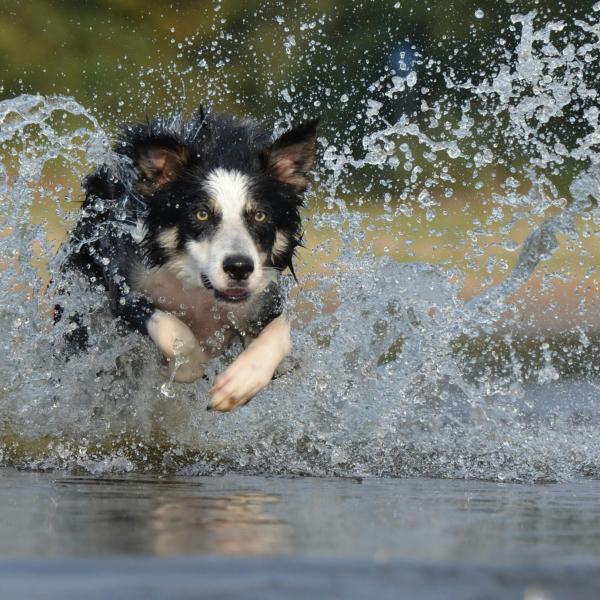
x=202 y=215
x=260 y=216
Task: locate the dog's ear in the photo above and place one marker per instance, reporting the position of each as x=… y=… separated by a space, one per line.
x=291 y=156
x=160 y=164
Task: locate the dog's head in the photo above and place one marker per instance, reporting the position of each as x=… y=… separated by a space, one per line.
x=222 y=199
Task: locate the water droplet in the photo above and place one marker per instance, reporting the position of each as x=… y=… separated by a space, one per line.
x=479 y=14
x=166 y=389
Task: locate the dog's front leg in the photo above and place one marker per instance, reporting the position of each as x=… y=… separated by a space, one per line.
x=254 y=367
x=171 y=335
x=178 y=344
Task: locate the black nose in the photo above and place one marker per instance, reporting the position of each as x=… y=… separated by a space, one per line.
x=238 y=266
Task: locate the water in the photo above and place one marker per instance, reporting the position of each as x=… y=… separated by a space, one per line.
x=337 y=538
x=61 y=515
x=395 y=371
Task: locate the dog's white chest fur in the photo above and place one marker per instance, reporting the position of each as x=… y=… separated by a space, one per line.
x=213 y=324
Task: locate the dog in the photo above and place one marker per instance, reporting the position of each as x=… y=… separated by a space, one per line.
x=188 y=229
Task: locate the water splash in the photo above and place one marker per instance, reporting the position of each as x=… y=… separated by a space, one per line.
x=394 y=373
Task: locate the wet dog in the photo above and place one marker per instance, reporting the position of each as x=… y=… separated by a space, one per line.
x=188 y=231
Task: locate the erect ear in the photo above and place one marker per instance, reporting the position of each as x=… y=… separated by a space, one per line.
x=291 y=156
x=160 y=164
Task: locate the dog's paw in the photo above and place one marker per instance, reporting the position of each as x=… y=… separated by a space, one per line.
x=186 y=367
x=178 y=345
x=244 y=378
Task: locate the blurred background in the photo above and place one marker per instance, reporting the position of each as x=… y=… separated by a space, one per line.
x=362 y=67
x=122 y=58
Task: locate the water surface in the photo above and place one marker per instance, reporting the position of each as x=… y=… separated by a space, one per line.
x=332 y=536
x=49 y=514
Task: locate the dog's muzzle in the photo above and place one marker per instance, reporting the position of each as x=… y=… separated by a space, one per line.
x=231 y=294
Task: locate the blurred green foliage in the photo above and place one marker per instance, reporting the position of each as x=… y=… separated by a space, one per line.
x=124 y=57
x=269 y=59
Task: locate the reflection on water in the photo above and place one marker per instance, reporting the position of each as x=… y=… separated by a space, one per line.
x=231 y=525
x=165 y=517
x=442 y=520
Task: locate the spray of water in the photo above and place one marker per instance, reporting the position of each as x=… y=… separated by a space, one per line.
x=394 y=373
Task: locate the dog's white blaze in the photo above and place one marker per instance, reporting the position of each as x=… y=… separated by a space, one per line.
x=230 y=192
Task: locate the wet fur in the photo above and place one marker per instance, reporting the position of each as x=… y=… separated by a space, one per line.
x=140 y=237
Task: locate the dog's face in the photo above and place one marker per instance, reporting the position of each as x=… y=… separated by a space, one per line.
x=223 y=208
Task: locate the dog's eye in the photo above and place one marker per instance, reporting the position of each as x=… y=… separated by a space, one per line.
x=260 y=216
x=202 y=215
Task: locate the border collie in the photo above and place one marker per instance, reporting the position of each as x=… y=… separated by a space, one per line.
x=188 y=230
